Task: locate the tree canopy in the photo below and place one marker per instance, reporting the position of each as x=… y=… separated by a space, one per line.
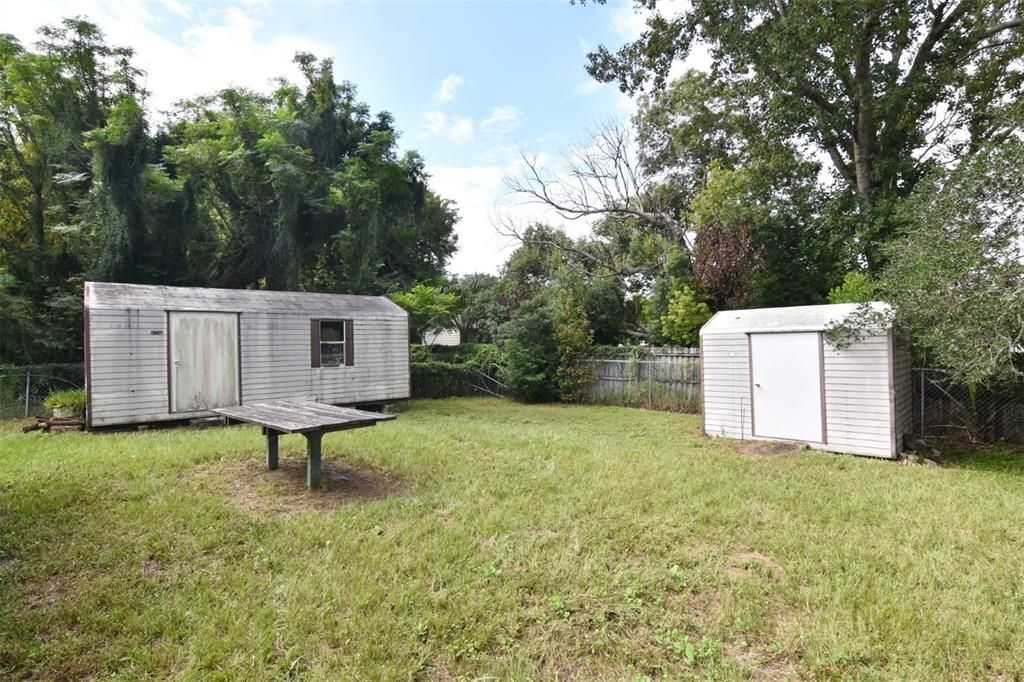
x=881 y=89
x=299 y=188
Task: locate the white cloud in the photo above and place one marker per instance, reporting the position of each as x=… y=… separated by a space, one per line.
x=503 y=119
x=484 y=203
x=475 y=190
x=177 y=7
x=220 y=48
x=588 y=87
x=437 y=122
x=461 y=130
x=448 y=88
x=455 y=129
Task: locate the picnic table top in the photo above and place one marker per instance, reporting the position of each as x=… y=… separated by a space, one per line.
x=302 y=416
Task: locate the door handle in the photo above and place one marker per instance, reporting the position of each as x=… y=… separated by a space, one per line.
x=757 y=385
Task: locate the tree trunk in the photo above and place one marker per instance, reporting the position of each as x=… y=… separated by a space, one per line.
x=865 y=136
x=864 y=124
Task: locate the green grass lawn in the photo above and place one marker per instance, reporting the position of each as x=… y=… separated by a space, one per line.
x=478 y=537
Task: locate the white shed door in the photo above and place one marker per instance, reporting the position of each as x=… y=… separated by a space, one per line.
x=786 y=378
x=204 y=360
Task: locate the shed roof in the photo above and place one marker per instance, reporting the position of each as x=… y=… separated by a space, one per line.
x=802 y=318
x=111 y=296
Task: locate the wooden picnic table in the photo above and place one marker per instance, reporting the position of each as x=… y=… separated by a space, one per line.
x=310 y=418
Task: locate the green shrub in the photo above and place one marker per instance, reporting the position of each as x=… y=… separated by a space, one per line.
x=529 y=354
x=446 y=371
x=480 y=356
x=69 y=398
x=857 y=287
x=685 y=316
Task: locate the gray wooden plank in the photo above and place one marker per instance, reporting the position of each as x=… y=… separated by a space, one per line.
x=298 y=416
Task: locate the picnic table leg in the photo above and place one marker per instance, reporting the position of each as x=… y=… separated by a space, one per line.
x=313 y=458
x=272 y=449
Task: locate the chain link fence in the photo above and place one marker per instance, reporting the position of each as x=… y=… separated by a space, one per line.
x=24 y=388
x=663 y=380
x=944 y=409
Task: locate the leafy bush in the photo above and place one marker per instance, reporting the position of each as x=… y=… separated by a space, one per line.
x=70 y=398
x=446 y=371
x=480 y=356
x=428 y=307
x=573 y=336
x=685 y=316
x=857 y=287
x=529 y=354
x=436 y=379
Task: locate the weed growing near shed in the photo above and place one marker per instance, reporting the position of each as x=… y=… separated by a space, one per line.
x=507 y=540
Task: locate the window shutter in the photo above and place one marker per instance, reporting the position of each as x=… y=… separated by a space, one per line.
x=314 y=343
x=349 y=344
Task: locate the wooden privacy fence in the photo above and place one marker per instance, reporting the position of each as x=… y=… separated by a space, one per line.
x=655 y=378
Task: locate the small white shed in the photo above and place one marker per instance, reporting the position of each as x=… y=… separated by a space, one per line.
x=770 y=374
x=159 y=353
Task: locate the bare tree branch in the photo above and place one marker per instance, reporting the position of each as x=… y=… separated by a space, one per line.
x=603 y=178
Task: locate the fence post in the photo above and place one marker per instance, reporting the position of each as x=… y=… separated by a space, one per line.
x=922 y=403
x=650 y=382
x=28 y=386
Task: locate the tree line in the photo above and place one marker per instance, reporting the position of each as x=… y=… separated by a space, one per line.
x=833 y=151
x=300 y=188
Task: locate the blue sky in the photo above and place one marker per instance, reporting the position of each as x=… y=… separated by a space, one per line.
x=469 y=83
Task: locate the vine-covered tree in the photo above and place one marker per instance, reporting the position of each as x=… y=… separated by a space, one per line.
x=301 y=188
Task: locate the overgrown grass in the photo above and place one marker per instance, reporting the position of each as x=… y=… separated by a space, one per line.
x=522 y=542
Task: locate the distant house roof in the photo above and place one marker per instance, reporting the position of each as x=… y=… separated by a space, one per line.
x=803 y=318
x=442 y=337
x=111 y=296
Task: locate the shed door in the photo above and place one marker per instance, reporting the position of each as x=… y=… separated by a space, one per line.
x=204 y=360
x=786 y=377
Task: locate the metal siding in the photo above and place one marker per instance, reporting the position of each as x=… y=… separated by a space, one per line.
x=857 y=398
x=128 y=362
x=726 y=385
x=901 y=381
x=276 y=363
x=127 y=365
x=856 y=393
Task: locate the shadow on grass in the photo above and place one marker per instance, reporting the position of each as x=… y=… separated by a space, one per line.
x=1003 y=458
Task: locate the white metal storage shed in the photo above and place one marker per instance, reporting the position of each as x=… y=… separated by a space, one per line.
x=157 y=353
x=770 y=374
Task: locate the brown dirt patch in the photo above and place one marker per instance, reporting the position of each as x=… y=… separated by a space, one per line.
x=769 y=448
x=748 y=563
x=763 y=665
x=150 y=568
x=250 y=485
x=704 y=608
x=45 y=594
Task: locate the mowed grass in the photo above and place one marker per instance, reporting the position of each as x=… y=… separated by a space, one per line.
x=519 y=542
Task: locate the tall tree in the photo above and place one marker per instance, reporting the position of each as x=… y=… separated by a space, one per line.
x=50 y=99
x=956 y=275
x=305 y=189
x=880 y=87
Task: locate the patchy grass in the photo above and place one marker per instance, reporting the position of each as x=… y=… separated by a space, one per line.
x=478 y=537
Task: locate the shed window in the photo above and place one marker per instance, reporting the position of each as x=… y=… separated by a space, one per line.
x=331 y=343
